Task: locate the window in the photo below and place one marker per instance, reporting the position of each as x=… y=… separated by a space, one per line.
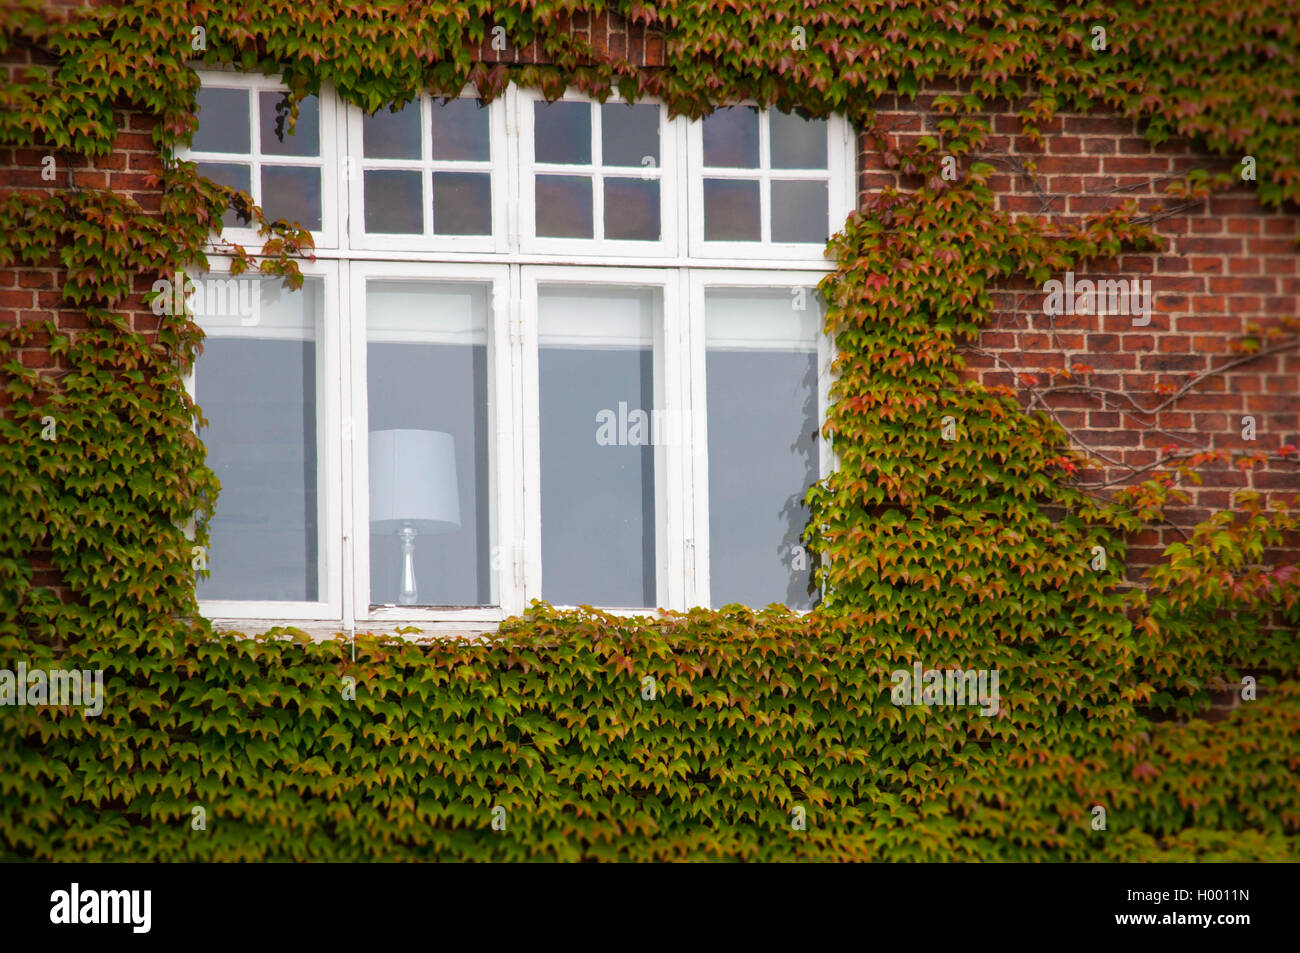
x=265 y=382
x=763 y=384
x=244 y=141
x=569 y=351
x=598 y=176
x=428 y=176
x=768 y=183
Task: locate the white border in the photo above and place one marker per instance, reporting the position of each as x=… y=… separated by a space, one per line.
x=697 y=515
x=841 y=194
x=667 y=174
x=670 y=391
x=361 y=241
x=331 y=146
x=331 y=486
x=503 y=458
x=516 y=262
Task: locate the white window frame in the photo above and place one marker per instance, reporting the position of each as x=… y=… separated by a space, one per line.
x=356 y=165
x=841 y=191
x=517 y=263
x=670 y=387
x=331 y=479
x=697 y=515
x=504 y=493
x=667 y=173
x=331 y=146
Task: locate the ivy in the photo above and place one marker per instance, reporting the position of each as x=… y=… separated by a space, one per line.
x=970 y=552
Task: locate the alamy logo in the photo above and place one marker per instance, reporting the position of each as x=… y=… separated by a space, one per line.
x=636 y=428
x=103 y=906
x=1105 y=296
x=950 y=687
x=57 y=687
x=209 y=296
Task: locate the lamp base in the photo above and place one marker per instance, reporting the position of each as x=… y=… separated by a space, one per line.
x=408 y=594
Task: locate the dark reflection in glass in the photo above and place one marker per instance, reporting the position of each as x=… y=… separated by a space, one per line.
x=462 y=203
x=598 y=501
x=632 y=210
x=305 y=140
x=292 y=194
x=392 y=135
x=731 y=138
x=562 y=133
x=799 y=212
x=393 y=203
x=235 y=176
x=461 y=130
x=563 y=206
x=629 y=133
x=731 y=210
x=762 y=421
x=797 y=143
x=223 y=121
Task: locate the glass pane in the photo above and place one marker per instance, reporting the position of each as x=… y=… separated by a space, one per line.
x=761 y=370
x=429 y=438
x=629 y=134
x=562 y=133
x=256 y=383
x=292 y=194
x=799 y=212
x=223 y=121
x=305 y=140
x=462 y=203
x=393 y=202
x=731 y=210
x=392 y=135
x=235 y=176
x=596 y=378
x=461 y=130
x=731 y=138
x=632 y=209
x=797 y=143
x=563 y=206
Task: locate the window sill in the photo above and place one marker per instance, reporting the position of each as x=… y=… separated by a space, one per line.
x=333 y=631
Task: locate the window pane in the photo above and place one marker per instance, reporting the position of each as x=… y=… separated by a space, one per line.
x=256 y=383
x=563 y=206
x=393 y=202
x=761 y=370
x=461 y=130
x=223 y=121
x=235 y=176
x=462 y=203
x=562 y=133
x=632 y=210
x=292 y=194
x=629 y=134
x=305 y=140
x=799 y=212
x=797 y=143
x=731 y=138
x=429 y=412
x=731 y=210
x=596 y=377
x=392 y=135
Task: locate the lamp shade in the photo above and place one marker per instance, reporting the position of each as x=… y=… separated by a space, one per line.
x=413 y=481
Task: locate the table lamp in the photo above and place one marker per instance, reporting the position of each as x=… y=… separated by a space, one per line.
x=413 y=490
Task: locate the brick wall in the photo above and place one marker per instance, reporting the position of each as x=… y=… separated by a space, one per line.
x=1226 y=263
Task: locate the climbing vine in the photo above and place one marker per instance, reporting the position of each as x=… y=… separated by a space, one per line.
x=683 y=735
